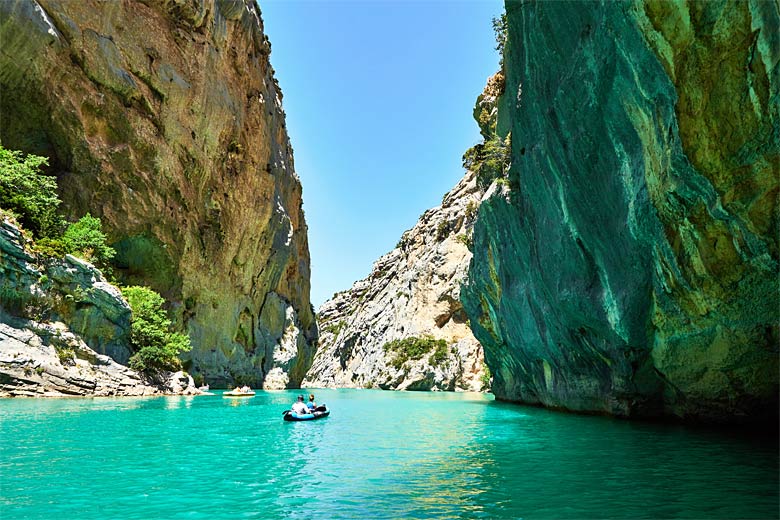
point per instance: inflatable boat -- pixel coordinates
(319, 413)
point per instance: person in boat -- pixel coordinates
(311, 404)
(245, 389)
(300, 407)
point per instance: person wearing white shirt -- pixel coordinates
(300, 407)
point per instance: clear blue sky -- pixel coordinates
(379, 98)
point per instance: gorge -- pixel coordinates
(612, 247)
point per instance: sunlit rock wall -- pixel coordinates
(163, 117)
(412, 291)
(631, 264)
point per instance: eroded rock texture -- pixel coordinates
(631, 265)
(413, 291)
(163, 117)
(48, 360)
(64, 330)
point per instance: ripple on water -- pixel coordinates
(380, 455)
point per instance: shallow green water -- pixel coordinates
(379, 455)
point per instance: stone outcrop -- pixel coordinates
(64, 330)
(413, 291)
(71, 291)
(45, 360)
(163, 117)
(630, 264)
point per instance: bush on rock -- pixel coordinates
(29, 194)
(156, 346)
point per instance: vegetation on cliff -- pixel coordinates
(86, 238)
(153, 135)
(30, 197)
(157, 346)
(28, 194)
(415, 348)
(403, 327)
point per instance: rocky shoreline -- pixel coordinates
(64, 330)
(47, 360)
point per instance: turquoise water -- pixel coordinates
(379, 455)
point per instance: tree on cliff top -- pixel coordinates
(27, 193)
(156, 346)
(500, 28)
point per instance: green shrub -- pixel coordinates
(439, 355)
(442, 230)
(65, 354)
(489, 160)
(500, 28)
(411, 348)
(156, 346)
(334, 328)
(486, 377)
(471, 210)
(85, 238)
(28, 194)
(50, 247)
(466, 240)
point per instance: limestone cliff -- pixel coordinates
(413, 291)
(163, 117)
(630, 266)
(64, 330)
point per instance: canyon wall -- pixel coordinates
(412, 292)
(376, 333)
(630, 264)
(164, 118)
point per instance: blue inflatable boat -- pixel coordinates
(319, 413)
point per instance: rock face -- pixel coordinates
(70, 291)
(631, 264)
(413, 291)
(43, 360)
(163, 117)
(63, 329)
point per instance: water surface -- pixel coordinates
(379, 455)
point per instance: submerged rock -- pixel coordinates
(165, 120)
(412, 292)
(630, 266)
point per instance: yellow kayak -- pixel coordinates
(238, 394)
